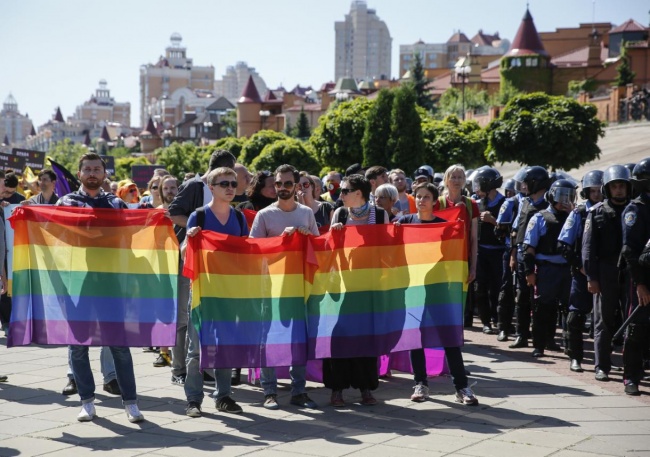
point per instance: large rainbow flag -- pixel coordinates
(364, 291)
(378, 290)
(93, 277)
(248, 299)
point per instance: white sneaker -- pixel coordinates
(133, 413)
(87, 412)
(421, 392)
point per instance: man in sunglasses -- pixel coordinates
(284, 217)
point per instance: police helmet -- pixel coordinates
(641, 176)
(593, 178)
(486, 179)
(535, 177)
(630, 166)
(438, 178)
(561, 191)
(429, 168)
(616, 173)
(424, 172)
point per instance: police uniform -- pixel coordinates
(601, 248)
(636, 233)
(506, 300)
(489, 271)
(553, 281)
(527, 209)
(580, 299)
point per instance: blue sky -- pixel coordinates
(53, 53)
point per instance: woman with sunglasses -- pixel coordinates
(358, 372)
(306, 193)
(219, 216)
(261, 192)
(129, 194)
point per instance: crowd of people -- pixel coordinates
(538, 261)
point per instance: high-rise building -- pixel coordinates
(234, 81)
(14, 127)
(363, 45)
(174, 71)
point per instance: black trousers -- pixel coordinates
(358, 372)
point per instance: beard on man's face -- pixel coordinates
(286, 194)
(92, 183)
(168, 198)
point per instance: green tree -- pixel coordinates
(551, 131)
(450, 141)
(256, 143)
(624, 73)
(506, 93)
(337, 138)
(231, 143)
(406, 146)
(123, 166)
(229, 121)
(378, 129)
(586, 85)
(67, 154)
(180, 158)
(289, 150)
(451, 102)
(303, 131)
(419, 83)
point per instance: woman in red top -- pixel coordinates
(454, 181)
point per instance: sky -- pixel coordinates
(53, 53)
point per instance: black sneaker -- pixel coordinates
(178, 380)
(208, 380)
(112, 387)
(228, 405)
(193, 409)
(70, 388)
(631, 388)
(163, 360)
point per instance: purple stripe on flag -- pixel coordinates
(91, 333)
(254, 355)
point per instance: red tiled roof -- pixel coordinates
(328, 86)
(270, 96)
(440, 84)
(527, 40)
(483, 39)
(458, 37)
(105, 136)
(491, 75)
(628, 26)
(577, 57)
(58, 116)
(149, 130)
(250, 94)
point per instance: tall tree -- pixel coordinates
(377, 131)
(303, 131)
(406, 146)
(337, 138)
(624, 73)
(180, 158)
(450, 141)
(256, 143)
(289, 150)
(551, 131)
(419, 83)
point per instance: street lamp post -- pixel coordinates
(167, 135)
(207, 126)
(342, 97)
(462, 69)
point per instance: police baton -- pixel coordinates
(626, 323)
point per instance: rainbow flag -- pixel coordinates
(248, 299)
(378, 290)
(94, 277)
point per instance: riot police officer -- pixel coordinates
(636, 233)
(601, 248)
(543, 264)
(532, 182)
(580, 299)
(489, 269)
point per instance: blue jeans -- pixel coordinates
(106, 363)
(193, 377)
(83, 374)
(269, 380)
(179, 352)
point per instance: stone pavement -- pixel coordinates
(526, 409)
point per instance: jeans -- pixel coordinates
(269, 380)
(83, 374)
(106, 363)
(179, 351)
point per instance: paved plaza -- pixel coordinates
(527, 408)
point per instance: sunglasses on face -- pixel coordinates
(347, 191)
(154, 187)
(304, 185)
(225, 184)
(133, 191)
(286, 184)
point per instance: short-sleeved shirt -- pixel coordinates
(271, 221)
(232, 227)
